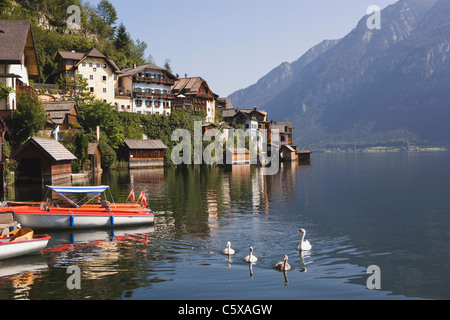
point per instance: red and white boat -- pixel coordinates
(21, 242)
(60, 212)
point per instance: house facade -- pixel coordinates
(100, 72)
(18, 61)
(194, 95)
(145, 89)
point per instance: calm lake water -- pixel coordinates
(391, 210)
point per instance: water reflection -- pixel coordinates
(342, 200)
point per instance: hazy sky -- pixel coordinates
(233, 43)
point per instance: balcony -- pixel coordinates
(149, 95)
(164, 81)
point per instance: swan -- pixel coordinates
(250, 258)
(304, 244)
(228, 249)
(283, 265)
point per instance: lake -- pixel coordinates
(391, 210)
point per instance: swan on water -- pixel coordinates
(283, 265)
(304, 244)
(250, 258)
(228, 249)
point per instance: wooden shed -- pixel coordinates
(43, 160)
(143, 153)
(288, 153)
(238, 156)
(95, 156)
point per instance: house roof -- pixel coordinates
(52, 148)
(16, 39)
(189, 86)
(58, 110)
(145, 144)
(92, 146)
(145, 68)
(81, 56)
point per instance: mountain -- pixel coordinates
(388, 86)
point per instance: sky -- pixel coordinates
(233, 43)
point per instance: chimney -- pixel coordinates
(134, 65)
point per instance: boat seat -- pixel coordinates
(19, 234)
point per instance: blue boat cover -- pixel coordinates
(98, 189)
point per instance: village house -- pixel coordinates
(143, 153)
(194, 95)
(18, 61)
(62, 116)
(100, 72)
(43, 160)
(145, 90)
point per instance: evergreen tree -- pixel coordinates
(122, 41)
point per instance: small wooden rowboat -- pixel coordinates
(21, 242)
(64, 213)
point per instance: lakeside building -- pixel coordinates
(43, 160)
(145, 89)
(194, 95)
(18, 61)
(143, 153)
(99, 71)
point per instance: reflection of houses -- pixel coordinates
(194, 95)
(61, 115)
(143, 153)
(43, 160)
(145, 90)
(18, 61)
(95, 156)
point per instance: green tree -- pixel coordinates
(82, 150)
(29, 119)
(122, 41)
(102, 114)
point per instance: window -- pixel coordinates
(95, 69)
(83, 64)
(105, 78)
(104, 66)
(91, 77)
(104, 90)
(91, 89)
(91, 64)
(98, 64)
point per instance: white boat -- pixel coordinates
(64, 213)
(21, 242)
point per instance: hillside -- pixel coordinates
(373, 87)
(99, 28)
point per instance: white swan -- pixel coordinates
(250, 258)
(228, 249)
(304, 244)
(283, 265)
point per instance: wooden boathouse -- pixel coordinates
(43, 160)
(143, 153)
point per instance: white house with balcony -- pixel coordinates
(18, 61)
(145, 89)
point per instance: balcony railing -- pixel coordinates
(167, 96)
(165, 81)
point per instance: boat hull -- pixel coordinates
(10, 250)
(60, 220)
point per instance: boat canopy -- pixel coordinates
(97, 189)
